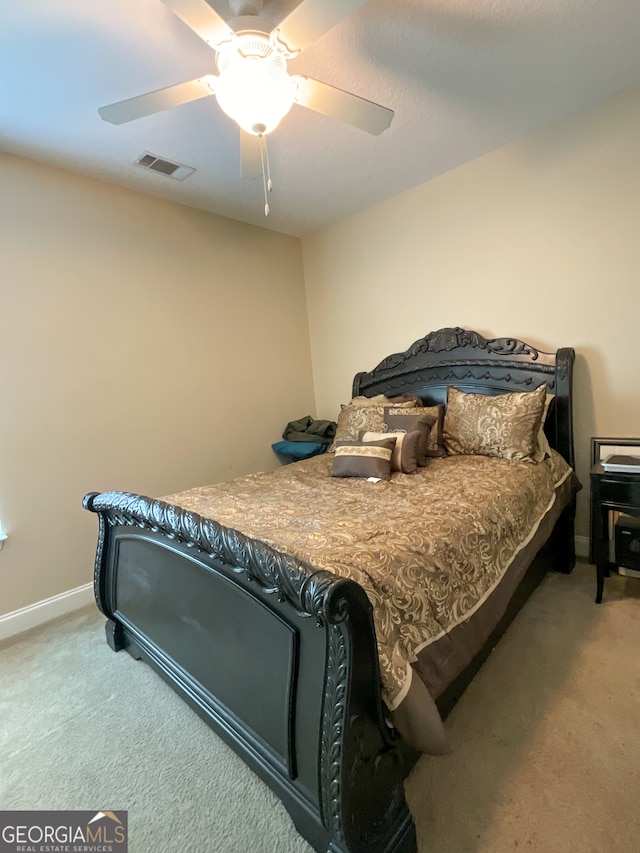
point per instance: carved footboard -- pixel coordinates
(277, 657)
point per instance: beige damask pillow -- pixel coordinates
(542, 442)
(506, 425)
(356, 416)
(381, 400)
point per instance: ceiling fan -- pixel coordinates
(253, 86)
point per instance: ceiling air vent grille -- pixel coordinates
(177, 171)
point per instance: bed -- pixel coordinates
(279, 654)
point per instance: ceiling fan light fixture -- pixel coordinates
(252, 85)
(255, 92)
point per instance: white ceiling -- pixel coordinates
(463, 76)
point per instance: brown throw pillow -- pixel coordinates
(406, 452)
(505, 425)
(435, 442)
(363, 459)
(410, 423)
(369, 416)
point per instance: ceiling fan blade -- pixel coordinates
(203, 20)
(250, 160)
(161, 99)
(341, 105)
(308, 21)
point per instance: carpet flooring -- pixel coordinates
(546, 741)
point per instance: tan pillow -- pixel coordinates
(410, 423)
(406, 452)
(506, 425)
(435, 442)
(381, 400)
(542, 442)
(363, 459)
(356, 416)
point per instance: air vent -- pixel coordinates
(177, 171)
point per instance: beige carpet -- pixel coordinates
(546, 741)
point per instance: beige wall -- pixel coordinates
(539, 240)
(145, 346)
(136, 353)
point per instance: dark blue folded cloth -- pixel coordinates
(299, 449)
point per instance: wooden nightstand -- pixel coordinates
(609, 491)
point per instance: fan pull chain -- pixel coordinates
(266, 171)
(266, 154)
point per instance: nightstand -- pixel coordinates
(609, 491)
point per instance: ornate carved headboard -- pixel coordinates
(468, 361)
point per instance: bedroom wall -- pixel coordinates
(145, 346)
(538, 240)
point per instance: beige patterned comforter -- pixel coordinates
(428, 548)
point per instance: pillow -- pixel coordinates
(505, 425)
(363, 459)
(435, 442)
(381, 400)
(406, 452)
(542, 442)
(369, 416)
(410, 423)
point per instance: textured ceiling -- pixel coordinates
(463, 76)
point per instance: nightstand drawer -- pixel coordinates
(627, 539)
(617, 492)
(620, 492)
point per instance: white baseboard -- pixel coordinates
(582, 547)
(44, 611)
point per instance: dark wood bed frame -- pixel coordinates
(279, 658)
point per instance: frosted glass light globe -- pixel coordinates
(255, 93)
